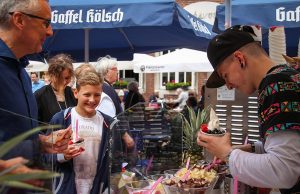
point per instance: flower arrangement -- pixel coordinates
(174, 86)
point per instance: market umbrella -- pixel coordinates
(266, 13)
(90, 29)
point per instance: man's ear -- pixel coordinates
(17, 20)
(239, 55)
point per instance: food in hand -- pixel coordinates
(213, 127)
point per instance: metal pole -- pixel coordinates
(228, 8)
(86, 45)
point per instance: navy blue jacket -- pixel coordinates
(110, 91)
(66, 183)
(17, 103)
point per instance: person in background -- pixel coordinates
(84, 67)
(240, 62)
(121, 96)
(85, 168)
(182, 97)
(202, 98)
(110, 102)
(134, 96)
(46, 78)
(190, 103)
(57, 95)
(154, 97)
(36, 83)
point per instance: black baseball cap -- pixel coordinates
(222, 46)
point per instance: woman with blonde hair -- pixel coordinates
(57, 95)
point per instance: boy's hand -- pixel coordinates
(218, 146)
(72, 152)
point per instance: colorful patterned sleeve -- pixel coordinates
(279, 101)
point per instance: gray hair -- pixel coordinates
(7, 6)
(104, 64)
(133, 86)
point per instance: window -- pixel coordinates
(176, 77)
(128, 75)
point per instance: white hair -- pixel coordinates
(7, 6)
(104, 64)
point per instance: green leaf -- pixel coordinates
(8, 145)
(17, 184)
(28, 176)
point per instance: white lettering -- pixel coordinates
(102, 15)
(92, 15)
(198, 26)
(290, 16)
(69, 17)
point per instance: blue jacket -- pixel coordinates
(18, 108)
(66, 183)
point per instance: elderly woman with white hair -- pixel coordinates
(110, 103)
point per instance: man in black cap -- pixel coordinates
(240, 62)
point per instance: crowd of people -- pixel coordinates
(89, 110)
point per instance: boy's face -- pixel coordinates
(88, 99)
(236, 75)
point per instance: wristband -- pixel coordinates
(252, 147)
(228, 156)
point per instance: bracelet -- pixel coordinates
(228, 156)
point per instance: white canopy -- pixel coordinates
(181, 60)
(36, 66)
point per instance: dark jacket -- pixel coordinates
(133, 98)
(66, 183)
(47, 103)
(110, 91)
(18, 109)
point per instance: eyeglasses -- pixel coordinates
(47, 22)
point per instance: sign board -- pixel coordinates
(223, 93)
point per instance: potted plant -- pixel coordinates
(120, 84)
(191, 126)
(174, 86)
(16, 180)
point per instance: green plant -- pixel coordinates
(120, 84)
(16, 180)
(174, 86)
(191, 127)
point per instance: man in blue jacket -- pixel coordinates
(24, 25)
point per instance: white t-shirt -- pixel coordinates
(85, 165)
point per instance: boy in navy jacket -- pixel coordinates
(84, 167)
